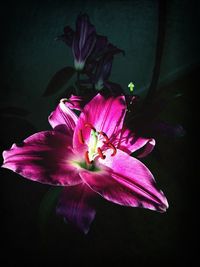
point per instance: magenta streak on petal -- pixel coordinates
(63, 115)
(105, 115)
(126, 181)
(135, 174)
(148, 145)
(143, 194)
(76, 205)
(130, 143)
(43, 157)
(74, 102)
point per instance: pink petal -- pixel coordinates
(75, 102)
(126, 181)
(103, 114)
(76, 206)
(43, 157)
(64, 116)
(129, 143)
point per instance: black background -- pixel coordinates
(119, 235)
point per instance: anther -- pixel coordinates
(102, 156)
(113, 148)
(80, 137)
(87, 158)
(90, 126)
(105, 136)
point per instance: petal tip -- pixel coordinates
(165, 205)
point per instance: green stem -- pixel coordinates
(159, 50)
(78, 83)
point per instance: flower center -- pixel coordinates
(97, 143)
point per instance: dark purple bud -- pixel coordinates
(103, 71)
(83, 42)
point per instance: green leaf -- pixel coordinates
(47, 205)
(59, 80)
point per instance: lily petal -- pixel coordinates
(130, 143)
(102, 72)
(75, 102)
(76, 206)
(43, 157)
(126, 181)
(64, 115)
(106, 115)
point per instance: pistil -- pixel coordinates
(93, 149)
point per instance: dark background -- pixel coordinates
(31, 232)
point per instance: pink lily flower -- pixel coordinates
(88, 155)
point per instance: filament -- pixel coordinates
(105, 136)
(113, 148)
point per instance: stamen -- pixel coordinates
(80, 137)
(102, 156)
(113, 148)
(105, 136)
(87, 158)
(90, 126)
